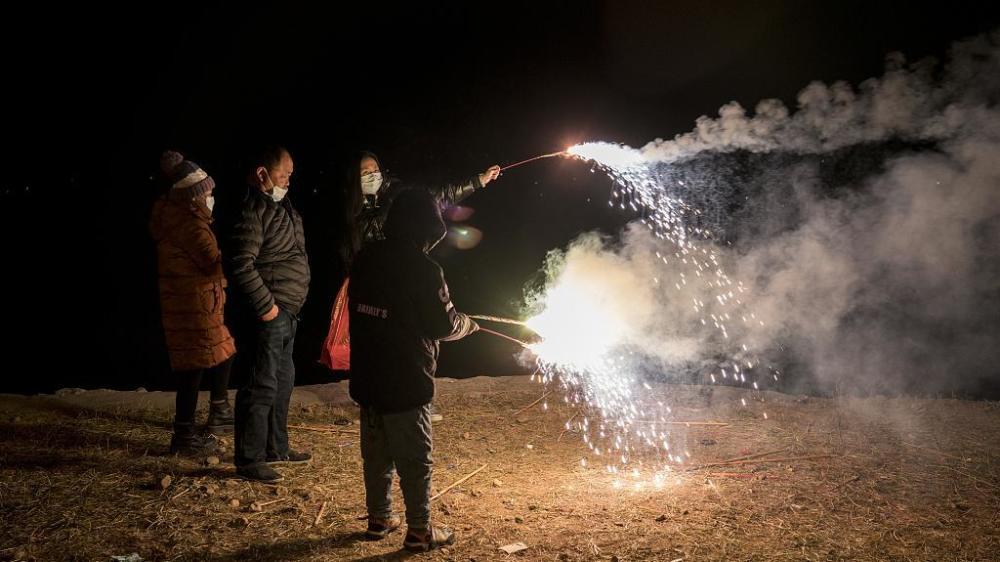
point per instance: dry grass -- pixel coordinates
(904, 479)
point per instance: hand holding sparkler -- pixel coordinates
(489, 175)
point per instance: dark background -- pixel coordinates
(93, 95)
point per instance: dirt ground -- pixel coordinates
(87, 476)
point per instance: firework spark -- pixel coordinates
(585, 344)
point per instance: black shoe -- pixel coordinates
(186, 442)
(259, 472)
(293, 457)
(220, 417)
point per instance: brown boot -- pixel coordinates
(378, 527)
(422, 540)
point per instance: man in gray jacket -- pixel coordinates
(270, 273)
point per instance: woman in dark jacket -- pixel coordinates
(192, 298)
(368, 194)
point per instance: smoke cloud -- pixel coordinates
(864, 227)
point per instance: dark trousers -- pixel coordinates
(399, 442)
(189, 383)
(261, 425)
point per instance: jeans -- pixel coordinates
(261, 411)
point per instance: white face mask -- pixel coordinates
(371, 183)
(210, 203)
(278, 193)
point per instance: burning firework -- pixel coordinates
(522, 162)
(587, 332)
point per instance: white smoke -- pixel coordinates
(888, 282)
(906, 103)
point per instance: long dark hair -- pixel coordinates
(354, 201)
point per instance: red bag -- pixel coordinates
(336, 353)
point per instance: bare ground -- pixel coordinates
(82, 477)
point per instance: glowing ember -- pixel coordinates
(612, 155)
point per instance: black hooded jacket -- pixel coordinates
(400, 309)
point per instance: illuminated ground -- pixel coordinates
(908, 479)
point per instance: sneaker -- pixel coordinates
(378, 527)
(293, 457)
(422, 540)
(259, 472)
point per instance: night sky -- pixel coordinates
(93, 95)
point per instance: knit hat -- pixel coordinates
(187, 179)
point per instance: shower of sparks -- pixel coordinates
(583, 349)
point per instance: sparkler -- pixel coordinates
(516, 164)
(496, 319)
(583, 344)
(505, 336)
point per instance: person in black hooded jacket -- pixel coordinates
(400, 310)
